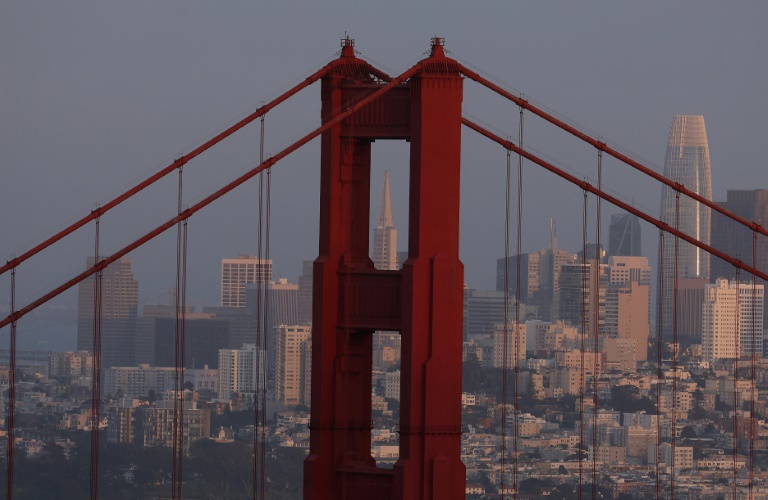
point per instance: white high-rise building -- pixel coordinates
(291, 368)
(732, 320)
(236, 273)
(385, 234)
(239, 369)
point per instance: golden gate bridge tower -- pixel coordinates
(423, 301)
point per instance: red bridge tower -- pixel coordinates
(423, 301)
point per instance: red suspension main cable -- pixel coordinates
(472, 75)
(610, 199)
(15, 316)
(178, 163)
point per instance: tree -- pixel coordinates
(627, 399)
(224, 469)
(688, 432)
(697, 412)
(472, 374)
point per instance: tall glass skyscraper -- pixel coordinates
(686, 162)
(624, 235)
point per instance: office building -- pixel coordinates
(628, 301)
(626, 315)
(690, 297)
(508, 344)
(70, 365)
(119, 297)
(157, 424)
(292, 366)
(239, 370)
(145, 327)
(737, 240)
(483, 309)
(506, 272)
(138, 381)
(686, 162)
(385, 234)
(305, 293)
(624, 235)
(203, 339)
(237, 273)
(282, 299)
(623, 269)
(123, 418)
(583, 288)
(539, 277)
(732, 320)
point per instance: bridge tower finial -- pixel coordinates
(437, 43)
(347, 46)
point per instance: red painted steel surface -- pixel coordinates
(351, 298)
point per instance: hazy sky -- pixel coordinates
(96, 96)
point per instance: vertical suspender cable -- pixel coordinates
(260, 360)
(596, 346)
(182, 356)
(263, 428)
(178, 398)
(517, 304)
(674, 351)
(96, 370)
(737, 343)
(266, 328)
(505, 330)
(582, 365)
(11, 393)
(659, 356)
(753, 375)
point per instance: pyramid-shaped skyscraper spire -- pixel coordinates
(385, 209)
(385, 234)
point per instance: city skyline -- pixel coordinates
(104, 107)
(733, 129)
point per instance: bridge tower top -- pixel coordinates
(423, 301)
(347, 46)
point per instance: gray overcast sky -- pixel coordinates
(95, 96)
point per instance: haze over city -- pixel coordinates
(99, 97)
